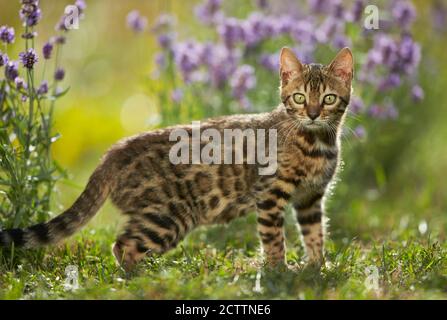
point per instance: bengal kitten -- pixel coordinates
(164, 201)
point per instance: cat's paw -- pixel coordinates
(275, 265)
(314, 264)
(295, 267)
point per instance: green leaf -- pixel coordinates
(61, 94)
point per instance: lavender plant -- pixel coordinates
(240, 59)
(27, 171)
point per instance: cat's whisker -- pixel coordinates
(351, 132)
(291, 129)
(282, 123)
(286, 129)
(352, 115)
(294, 126)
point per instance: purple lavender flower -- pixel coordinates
(338, 10)
(30, 12)
(165, 40)
(439, 16)
(29, 35)
(304, 31)
(387, 111)
(360, 132)
(305, 52)
(28, 58)
(3, 59)
(246, 103)
(385, 51)
(12, 70)
(284, 24)
(327, 29)
(136, 21)
(391, 111)
(47, 49)
(7, 34)
(231, 31)
(160, 60)
(404, 13)
(164, 23)
(417, 93)
(29, 2)
(322, 6)
(318, 6)
(43, 88)
(376, 111)
(209, 12)
(410, 55)
(357, 11)
(256, 28)
(58, 91)
(262, 4)
(356, 105)
(270, 61)
(58, 40)
(177, 95)
(341, 41)
(187, 58)
(20, 83)
(242, 80)
(61, 25)
(81, 5)
(373, 58)
(33, 18)
(390, 82)
(221, 63)
(59, 74)
(208, 52)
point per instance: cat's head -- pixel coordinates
(316, 95)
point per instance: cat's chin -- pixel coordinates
(313, 127)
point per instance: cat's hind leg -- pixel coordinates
(146, 233)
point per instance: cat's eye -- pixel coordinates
(299, 98)
(329, 99)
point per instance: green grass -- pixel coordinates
(223, 262)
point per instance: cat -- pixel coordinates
(164, 201)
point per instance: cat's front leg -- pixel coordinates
(270, 202)
(271, 222)
(271, 231)
(309, 213)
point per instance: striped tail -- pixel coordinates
(67, 223)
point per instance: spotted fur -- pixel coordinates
(164, 202)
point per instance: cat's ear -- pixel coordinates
(342, 67)
(289, 66)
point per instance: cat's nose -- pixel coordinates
(313, 114)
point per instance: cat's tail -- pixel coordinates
(71, 220)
